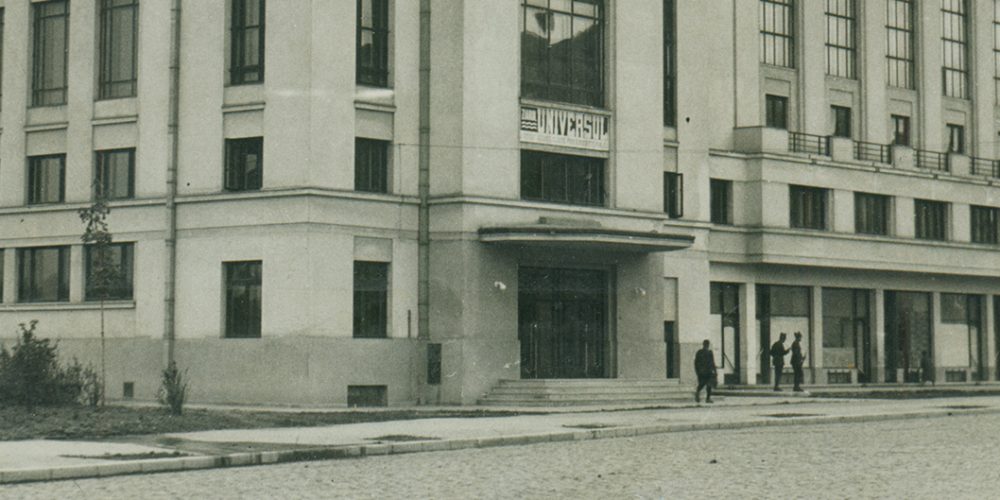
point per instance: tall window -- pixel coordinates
(2, 16)
(901, 130)
(930, 219)
(244, 164)
(43, 274)
(956, 138)
(46, 179)
(984, 222)
(871, 213)
(246, 63)
(996, 46)
(562, 51)
(776, 111)
(373, 43)
(243, 299)
(841, 38)
(49, 50)
(900, 43)
(669, 63)
(807, 207)
(113, 279)
(841, 121)
(955, 40)
(574, 180)
(119, 39)
(371, 294)
(673, 194)
(114, 174)
(721, 192)
(371, 165)
(777, 30)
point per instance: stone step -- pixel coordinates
(588, 402)
(581, 392)
(605, 396)
(590, 382)
(588, 390)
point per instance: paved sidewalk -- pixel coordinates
(47, 460)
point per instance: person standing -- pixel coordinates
(704, 367)
(778, 353)
(797, 360)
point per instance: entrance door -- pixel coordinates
(907, 334)
(561, 322)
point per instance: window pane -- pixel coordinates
(371, 165)
(371, 285)
(43, 274)
(562, 52)
(372, 63)
(244, 164)
(109, 275)
(247, 39)
(115, 170)
(243, 299)
(559, 178)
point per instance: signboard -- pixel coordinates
(562, 127)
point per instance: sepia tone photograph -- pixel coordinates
(463, 249)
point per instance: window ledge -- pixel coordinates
(376, 98)
(67, 306)
(527, 101)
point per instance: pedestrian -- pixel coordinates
(704, 367)
(797, 360)
(778, 352)
(926, 367)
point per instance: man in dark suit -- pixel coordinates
(778, 352)
(797, 360)
(704, 366)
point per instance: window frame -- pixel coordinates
(101, 189)
(872, 213)
(669, 63)
(375, 74)
(240, 73)
(956, 138)
(901, 27)
(673, 194)
(126, 261)
(984, 225)
(842, 121)
(778, 41)
(583, 94)
(934, 229)
(253, 279)
(27, 261)
(107, 86)
(954, 50)
(236, 178)
(841, 53)
(721, 201)
(808, 207)
(907, 133)
(772, 118)
(33, 195)
(42, 95)
(371, 292)
(371, 165)
(577, 171)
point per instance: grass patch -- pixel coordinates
(112, 421)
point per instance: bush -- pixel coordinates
(173, 389)
(30, 374)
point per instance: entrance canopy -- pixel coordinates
(585, 238)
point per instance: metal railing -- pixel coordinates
(800, 142)
(987, 167)
(932, 160)
(870, 151)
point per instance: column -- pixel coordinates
(749, 338)
(9, 276)
(878, 332)
(815, 351)
(937, 347)
(930, 125)
(982, 87)
(989, 334)
(810, 36)
(843, 211)
(872, 71)
(77, 274)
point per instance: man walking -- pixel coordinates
(778, 352)
(797, 360)
(704, 366)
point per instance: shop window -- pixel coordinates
(673, 194)
(721, 192)
(846, 329)
(46, 179)
(371, 299)
(246, 63)
(777, 32)
(109, 274)
(930, 219)
(984, 222)
(50, 43)
(776, 111)
(808, 207)
(115, 174)
(243, 299)
(556, 178)
(43, 274)
(244, 164)
(371, 165)
(871, 213)
(373, 43)
(562, 51)
(119, 37)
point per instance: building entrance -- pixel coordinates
(562, 324)
(907, 334)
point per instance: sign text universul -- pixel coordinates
(560, 127)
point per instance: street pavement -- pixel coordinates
(946, 457)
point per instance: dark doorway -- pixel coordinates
(562, 323)
(670, 339)
(725, 310)
(907, 334)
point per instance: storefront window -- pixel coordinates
(960, 332)
(782, 309)
(846, 334)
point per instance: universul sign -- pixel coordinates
(561, 127)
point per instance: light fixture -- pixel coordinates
(499, 285)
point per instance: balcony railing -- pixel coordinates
(987, 167)
(800, 142)
(870, 151)
(932, 160)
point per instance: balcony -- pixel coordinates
(985, 167)
(933, 161)
(870, 151)
(800, 142)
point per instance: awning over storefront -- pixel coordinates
(585, 238)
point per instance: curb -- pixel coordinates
(150, 466)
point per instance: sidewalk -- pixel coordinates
(41, 460)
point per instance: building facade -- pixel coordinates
(394, 202)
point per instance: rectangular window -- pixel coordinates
(776, 111)
(900, 43)
(841, 121)
(50, 40)
(371, 165)
(808, 207)
(955, 48)
(777, 32)
(846, 329)
(721, 196)
(984, 222)
(1, 275)
(669, 63)
(243, 299)
(434, 364)
(901, 130)
(841, 38)
(119, 39)
(573, 180)
(109, 274)
(371, 299)
(871, 213)
(673, 194)
(244, 164)
(246, 63)
(956, 138)
(562, 51)
(930, 219)
(2, 17)
(373, 43)
(46, 179)
(114, 174)
(43, 274)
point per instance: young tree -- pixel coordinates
(103, 273)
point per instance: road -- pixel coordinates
(949, 457)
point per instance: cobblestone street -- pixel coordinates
(954, 457)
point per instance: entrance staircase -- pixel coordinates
(587, 392)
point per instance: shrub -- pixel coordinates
(30, 374)
(173, 389)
